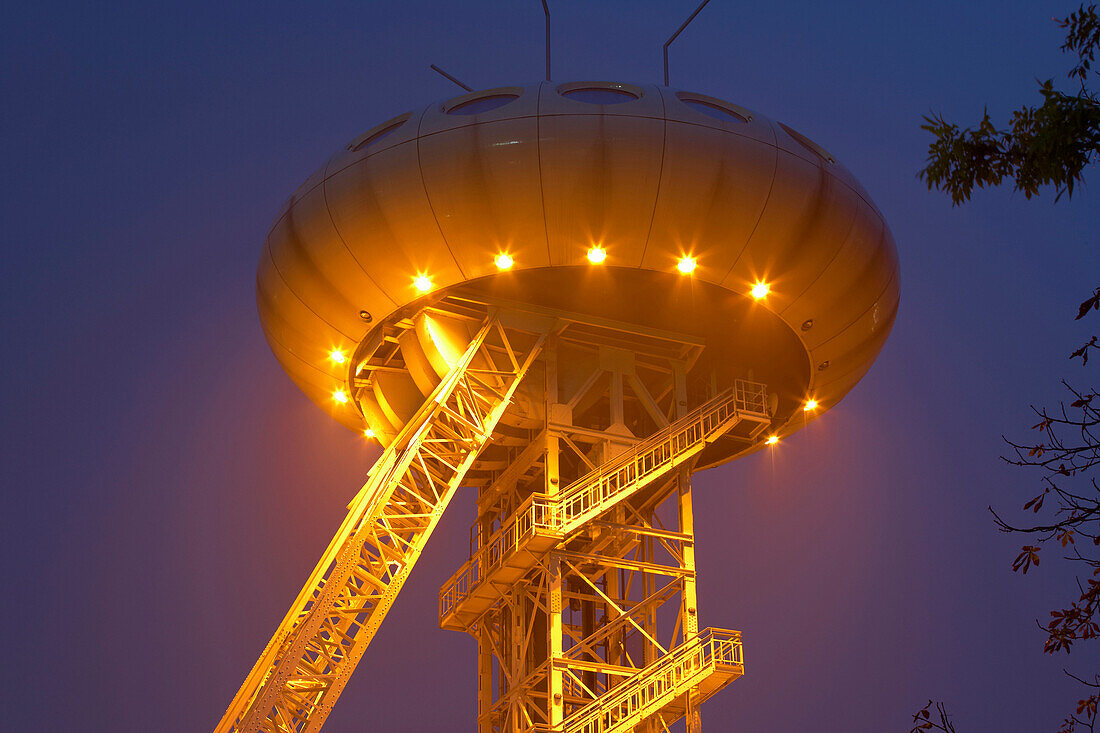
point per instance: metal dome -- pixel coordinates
(572, 297)
(543, 173)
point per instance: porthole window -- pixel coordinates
(592, 95)
(600, 93)
(808, 144)
(481, 105)
(377, 133)
(713, 109)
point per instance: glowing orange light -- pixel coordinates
(504, 261)
(368, 433)
(337, 356)
(760, 290)
(340, 396)
(596, 255)
(423, 283)
(686, 265)
(772, 439)
(810, 405)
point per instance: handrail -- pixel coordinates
(589, 495)
(677, 670)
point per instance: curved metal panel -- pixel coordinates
(805, 222)
(599, 179)
(714, 186)
(544, 177)
(483, 185)
(383, 215)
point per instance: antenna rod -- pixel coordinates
(546, 10)
(448, 76)
(678, 32)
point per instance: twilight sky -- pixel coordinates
(167, 489)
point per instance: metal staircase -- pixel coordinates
(541, 522)
(698, 668)
(303, 669)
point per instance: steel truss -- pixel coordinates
(581, 593)
(303, 669)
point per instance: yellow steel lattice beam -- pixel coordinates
(307, 663)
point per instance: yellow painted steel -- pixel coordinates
(298, 678)
(541, 521)
(572, 306)
(710, 661)
(793, 269)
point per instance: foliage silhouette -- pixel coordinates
(1048, 145)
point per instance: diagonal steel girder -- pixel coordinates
(308, 661)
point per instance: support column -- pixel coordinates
(556, 685)
(484, 681)
(689, 609)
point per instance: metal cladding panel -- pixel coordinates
(804, 148)
(714, 186)
(600, 175)
(861, 341)
(544, 177)
(483, 185)
(804, 224)
(319, 269)
(317, 386)
(297, 328)
(838, 296)
(757, 127)
(814, 153)
(382, 213)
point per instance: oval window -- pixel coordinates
(808, 144)
(716, 111)
(482, 104)
(596, 95)
(370, 138)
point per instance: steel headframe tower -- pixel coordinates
(568, 297)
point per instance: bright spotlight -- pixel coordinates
(368, 433)
(423, 283)
(596, 255)
(337, 356)
(760, 290)
(686, 265)
(772, 440)
(504, 261)
(810, 406)
(340, 396)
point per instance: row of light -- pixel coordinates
(808, 406)
(341, 397)
(596, 255)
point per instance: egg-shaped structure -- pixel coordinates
(573, 297)
(691, 201)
